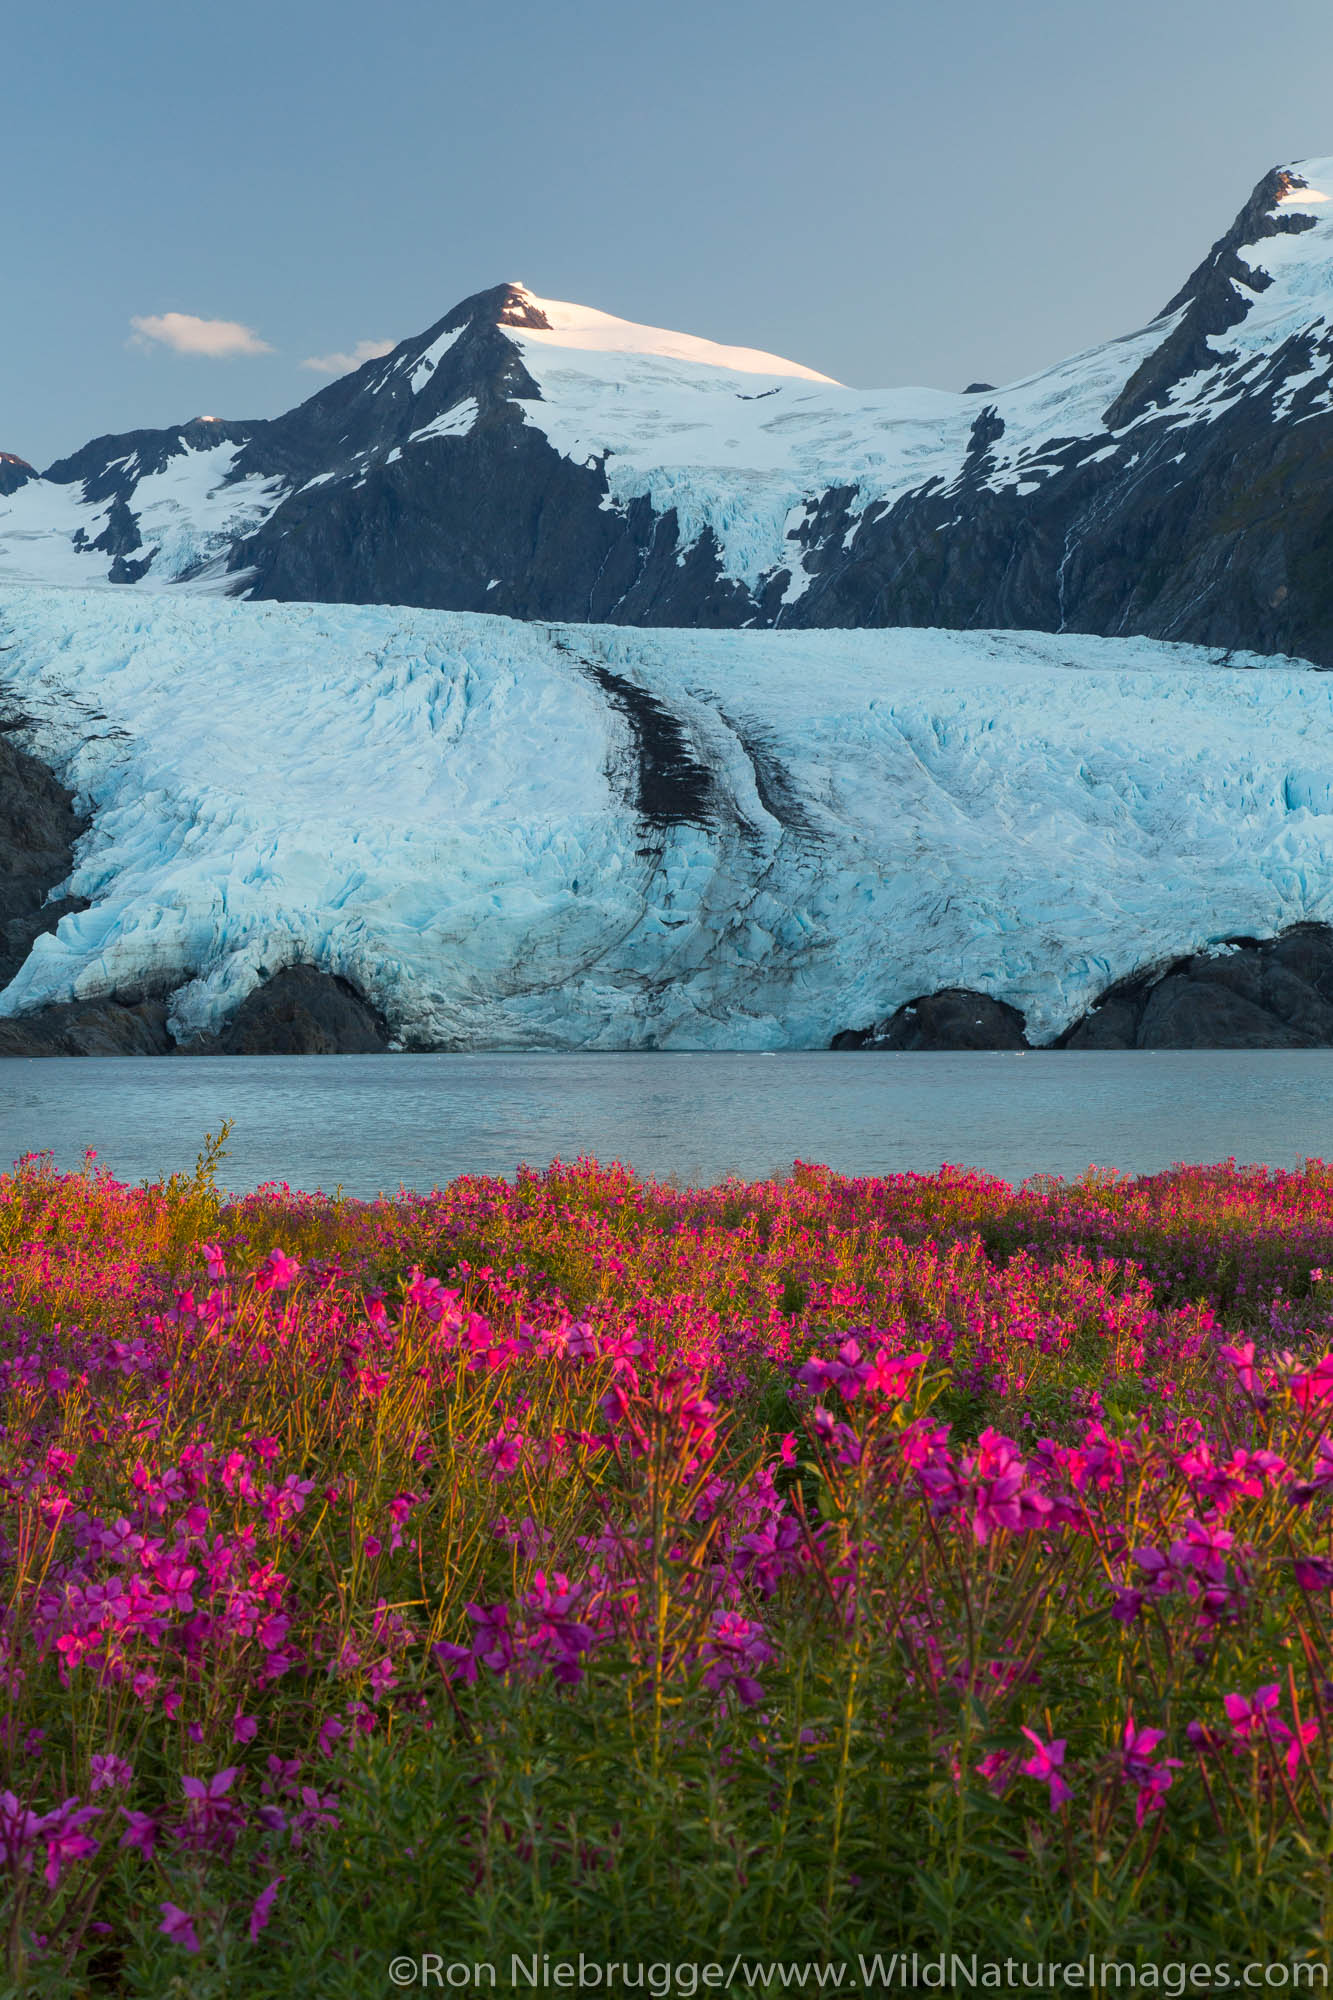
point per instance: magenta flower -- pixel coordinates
(1152, 1780)
(1241, 1360)
(262, 1905)
(997, 1768)
(178, 1925)
(1247, 1718)
(1313, 1573)
(891, 1374)
(111, 1773)
(1301, 1739)
(1044, 1765)
(457, 1663)
(505, 1451)
(19, 1827)
(277, 1272)
(211, 1817)
(214, 1261)
(65, 1840)
(141, 1832)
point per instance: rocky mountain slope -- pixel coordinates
(547, 461)
(323, 827)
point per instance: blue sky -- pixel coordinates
(890, 193)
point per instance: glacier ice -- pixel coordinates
(444, 808)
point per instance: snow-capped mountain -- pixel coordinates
(486, 834)
(548, 461)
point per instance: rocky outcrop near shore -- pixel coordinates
(952, 1019)
(298, 1012)
(107, 1027)
(1275, 993)
(1250, 993)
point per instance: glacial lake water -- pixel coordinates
(373, 1123)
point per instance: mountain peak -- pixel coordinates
(559, 323)
(1220, 292)
(14, 472)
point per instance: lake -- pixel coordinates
(378, 1122)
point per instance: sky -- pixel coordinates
(891, 193)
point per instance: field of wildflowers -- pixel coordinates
(808, 1567)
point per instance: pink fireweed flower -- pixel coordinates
(244, 1728)
(430, 1297)
(1044, 1765)
(493, 1643)
(277, 1272)
(262, 1906)
(1313, 1388)
(1302, 1737)
(846, 1372)
(505, 1452)
(1254, 1721)
(316, 1810)
(1241, 1359)
(1152, 1780)
(382, 1677)
(178, 1925)
(554, 1631)
(997, 1768)
(111, 1773)
(1321, 1475)
(1248, 1718)
(141, 1832)
(211, 1818)
(65, 1840)
(19, 1828)
(457, 1663)
(214, 1261)
(734, 1647)
(891, 1375)
(995, 1488)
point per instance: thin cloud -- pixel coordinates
(343, 364)
(219, 339)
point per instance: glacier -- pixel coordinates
(530, 835)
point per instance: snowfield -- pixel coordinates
(445, 809)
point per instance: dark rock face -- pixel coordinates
(14, 472)
(38, 829)
(297, 1012)
(300, 1012)
(1277, 994)
(90, 1028)
(951, 1019)
(494, 519)
(1271, 994)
